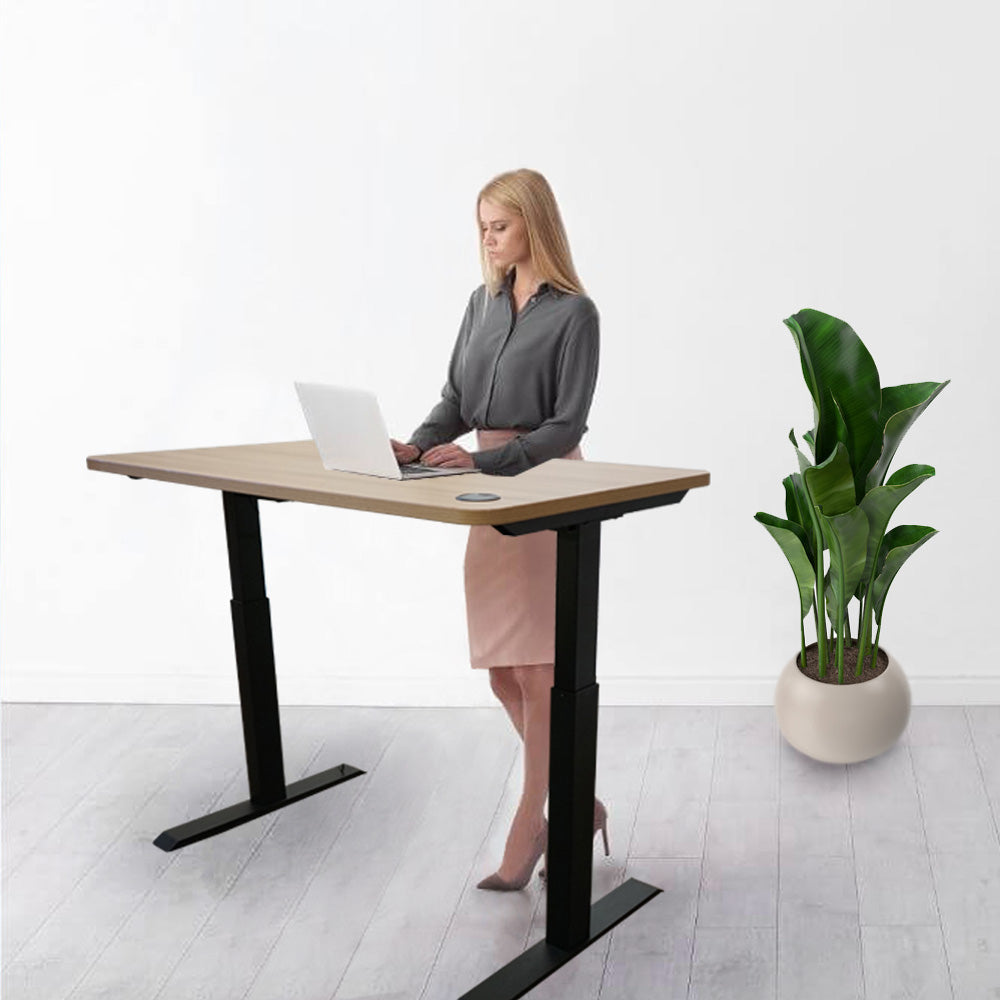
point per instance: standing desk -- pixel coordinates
(569, 497)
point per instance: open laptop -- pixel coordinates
(351, 435)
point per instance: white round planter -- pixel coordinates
(842, 723)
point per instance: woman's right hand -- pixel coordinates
(404, 452)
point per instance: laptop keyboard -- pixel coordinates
(414, 471)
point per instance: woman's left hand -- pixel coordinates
(449, 456)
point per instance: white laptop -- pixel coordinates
(351, 436)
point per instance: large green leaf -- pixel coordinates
(799, 509)
(846, 535)
(804, 462)
(793, 542)
(831, 484)
(791, 508)
(879, 505)
(838, 428)
(901, 405)
(844, 384)
(831, 608)
(897, 546)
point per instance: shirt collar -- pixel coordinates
(508, 284)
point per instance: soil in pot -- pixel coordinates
(869, 672)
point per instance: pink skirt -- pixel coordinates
(510, 587)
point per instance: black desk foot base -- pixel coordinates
(542, 959)
(243, 812)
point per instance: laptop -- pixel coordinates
(351, 435)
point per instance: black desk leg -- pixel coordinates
(258, 690)
(571, 923)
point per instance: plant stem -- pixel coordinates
(872, 646)
(802, 637)
(867, 611)
(862, 638)
(820, 599)
(841, 617)
(864, 643)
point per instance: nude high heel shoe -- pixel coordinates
(600, 823)
(524, 875)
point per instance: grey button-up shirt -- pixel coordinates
(535, 371)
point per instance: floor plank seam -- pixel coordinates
(907, 924)
(704, 849)
(982, 774)
(662, 857)
(640, 799)
(930, 867)
(777, 885)
(854, 868)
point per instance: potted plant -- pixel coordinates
(845, 699)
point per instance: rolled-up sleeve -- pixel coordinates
(444, 422)
(576, 379)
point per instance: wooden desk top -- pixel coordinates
(291, 470)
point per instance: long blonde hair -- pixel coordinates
(528, 193)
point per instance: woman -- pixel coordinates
(522, 374)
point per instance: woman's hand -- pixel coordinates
(404, 452)
(449, 456)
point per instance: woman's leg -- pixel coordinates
(536, 686)
(508, 690)
(535, 683)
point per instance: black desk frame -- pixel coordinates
(252, 638)
(571, 923)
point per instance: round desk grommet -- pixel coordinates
(477, 497)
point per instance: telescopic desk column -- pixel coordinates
(573, 742)
(254, 651)
(258, 690)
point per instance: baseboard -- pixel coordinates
(469, 690)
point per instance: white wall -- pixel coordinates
(201, 202)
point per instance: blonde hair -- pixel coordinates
(527, 193)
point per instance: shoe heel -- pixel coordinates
(604, 833)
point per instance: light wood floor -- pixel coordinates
(781, 877)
